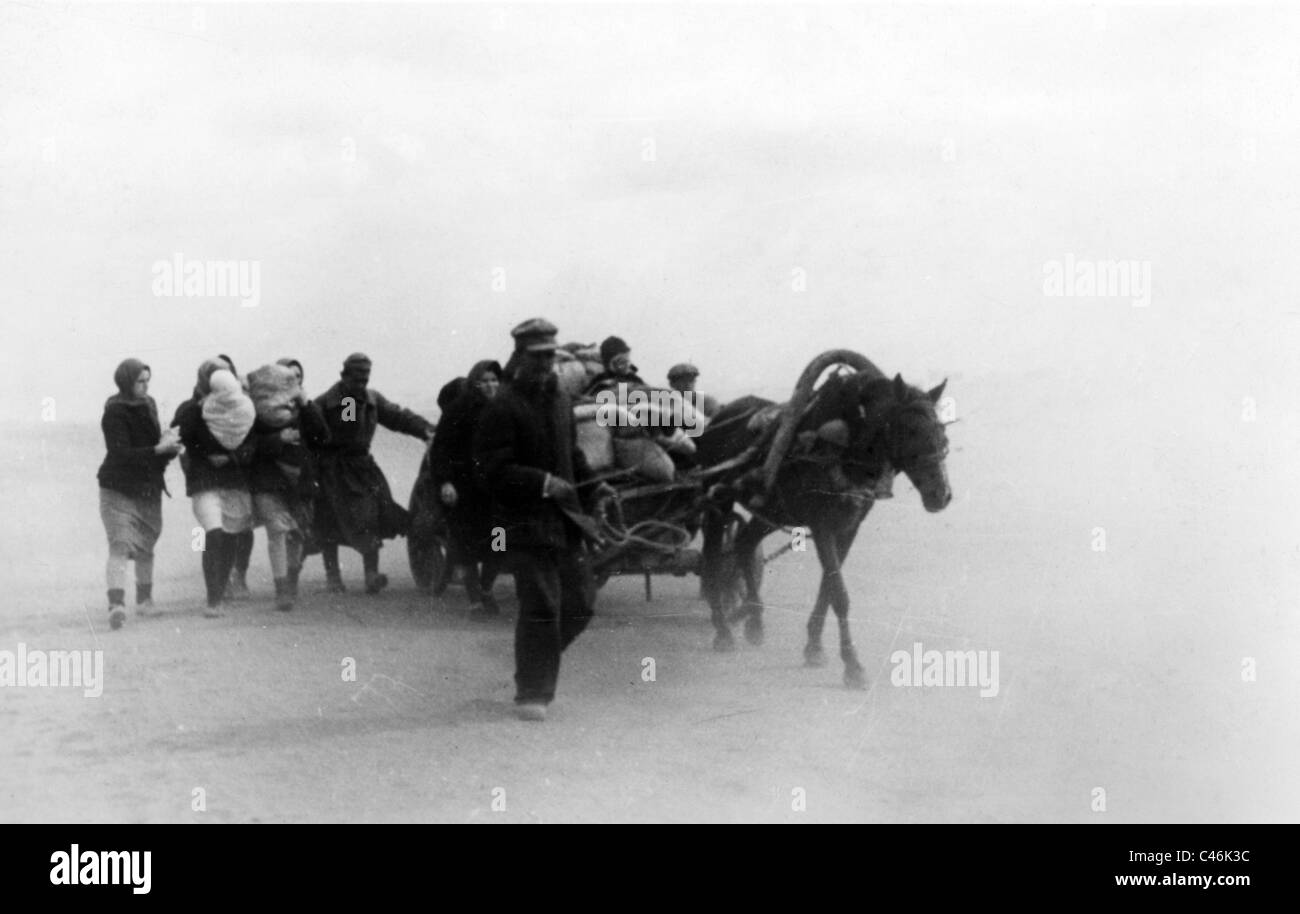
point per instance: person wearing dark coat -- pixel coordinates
(280, 476)
(131, 485)
(216, 480)
(237, 586)
(451, 392)
(616, 356)
(303, 542)
(356, 506)
(451, 465)
(526, 454)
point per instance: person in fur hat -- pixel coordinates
(616, 356)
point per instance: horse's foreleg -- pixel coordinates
(716, 572)
(854, 675)
(828, 551)
(813, 655)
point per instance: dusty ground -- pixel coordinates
(1118, 670)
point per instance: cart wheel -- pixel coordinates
(427, 561)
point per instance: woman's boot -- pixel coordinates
(116, 607)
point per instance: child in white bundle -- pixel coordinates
(228, 412)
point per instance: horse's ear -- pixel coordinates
(900, 389)
(938, 391)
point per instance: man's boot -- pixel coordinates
(116, 607)
(283, 595)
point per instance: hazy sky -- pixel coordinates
(667, 173)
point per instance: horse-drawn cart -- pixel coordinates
(819, 462)
(647, 529)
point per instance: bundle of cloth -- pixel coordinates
(228, 412)
(275, 393)
(576, 364)
(624, 437)
(634, 436)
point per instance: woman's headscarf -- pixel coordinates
(127, 373)
(293, 363)
(451, 392)
(204, 385)
(481, 368)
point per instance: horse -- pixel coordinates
(873, 426)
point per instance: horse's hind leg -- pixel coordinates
(828, 550)
(747, 544)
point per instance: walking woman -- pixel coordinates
(469, 507)
(288, 426)
(303, 541)
(215, 431)
(131, 485)
(237, 588)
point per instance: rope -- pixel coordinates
(651, 535)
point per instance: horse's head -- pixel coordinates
(917, 443)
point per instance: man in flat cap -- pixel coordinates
(355, 506)
(526, 455)
(681, 377)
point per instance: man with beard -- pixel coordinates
(526, 453)
(355, 505)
